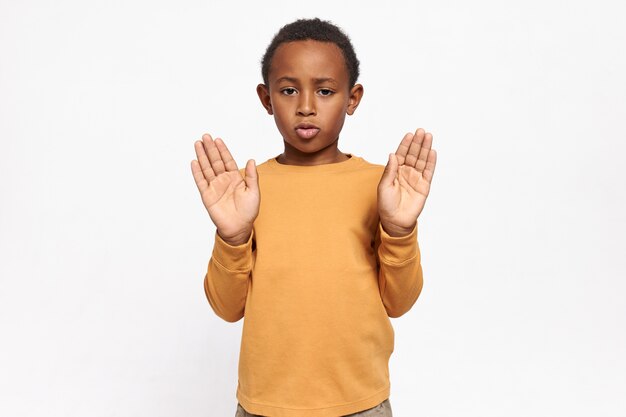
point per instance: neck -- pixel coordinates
(293, 156)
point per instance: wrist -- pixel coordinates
(397, 231)
(238, 239)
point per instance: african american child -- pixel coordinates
(315, 247)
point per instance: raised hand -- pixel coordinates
(232, 202)
(405, 183)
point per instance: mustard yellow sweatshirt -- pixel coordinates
(316, 284)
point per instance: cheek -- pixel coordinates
(339, 114)
(282, 122)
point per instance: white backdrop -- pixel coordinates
(104, 241)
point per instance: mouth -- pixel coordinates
(307, 130)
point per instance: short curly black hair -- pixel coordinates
(313, 29)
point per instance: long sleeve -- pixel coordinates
(317, 337)
(400, 278)
(227, 277)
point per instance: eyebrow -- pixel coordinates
(317, 80)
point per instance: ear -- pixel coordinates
(356, 93)
(264, 96)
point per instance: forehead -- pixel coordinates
(308, 59)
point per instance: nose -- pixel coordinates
(306, 104)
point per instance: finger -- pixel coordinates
(424, 152)
(252, 177)
(215, 159)
(431, 162)
(414, 149)
(203, 160)
(198, 176)
(391, 169)
(227, 158)
(403, 148)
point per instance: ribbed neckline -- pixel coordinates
(332, 167)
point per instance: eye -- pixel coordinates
(326, 92)
(288, 91)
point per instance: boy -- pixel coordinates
(315, 247)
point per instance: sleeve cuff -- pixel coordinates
(397, 250)
(233, 258)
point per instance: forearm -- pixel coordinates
(227, 278)
(400, 271)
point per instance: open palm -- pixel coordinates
(232, 202)
(405, 183)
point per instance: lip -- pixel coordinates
(306, 130)
(305, 125)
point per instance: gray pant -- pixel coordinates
(381, 410)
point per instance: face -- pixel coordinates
(309, 96)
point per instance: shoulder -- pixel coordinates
(369, 164)
(369, 168)
(262, 167)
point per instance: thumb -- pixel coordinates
(391, 170)
(252, 177)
